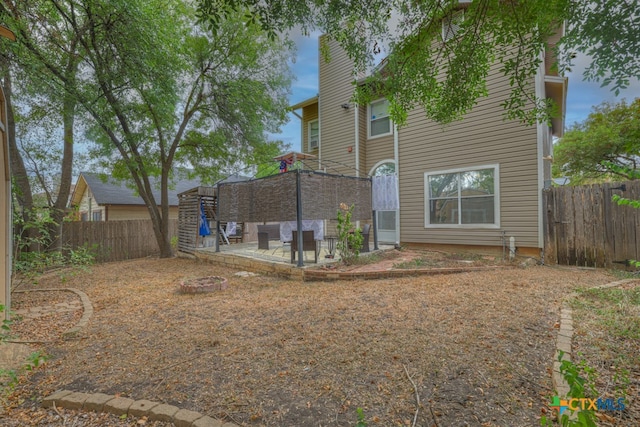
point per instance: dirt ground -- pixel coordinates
(474, 348)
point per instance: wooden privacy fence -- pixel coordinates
(584, 227)
(115, 240)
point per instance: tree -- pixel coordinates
(40, 89)
(447, 80)
(160, 91)
(605, 146)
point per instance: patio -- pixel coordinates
(275, 261)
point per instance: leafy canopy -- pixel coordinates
(159, 91)
(446, 81)
(606, 146)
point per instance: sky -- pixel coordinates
(581, 95)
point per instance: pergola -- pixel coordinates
(295, 195)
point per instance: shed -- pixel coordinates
(189, 214)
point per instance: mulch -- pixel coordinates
(473, 348)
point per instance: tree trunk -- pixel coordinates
(66, 173)
(58, 210)
(165, 247)
(18, 170)
(21, 184)
(160, 230)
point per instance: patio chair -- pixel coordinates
(365, 238)
(267, 232)
(308, 244)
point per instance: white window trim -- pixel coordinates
(496, 200)
(369, 122)
(456, 18)
(309, 134)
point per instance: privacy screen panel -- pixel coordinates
(274, 198)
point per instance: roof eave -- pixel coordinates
(305, 103)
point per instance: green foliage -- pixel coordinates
(349, 238)
(162, 89)
(266, 166)
(5, 328)
(174, 244)
(613, 313)
(581, 381)
(10, 377)
(606, 146)
(31, 258)
(607, 32)
(623, 201)
(414, 263)
(447, 80)
(35, 359)
(33, 229)
(362, 420)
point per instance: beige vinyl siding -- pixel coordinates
(362, 140)
(89, 206)
(309, 114)
(378, 149)
(123, 212)
(550, 56)
(337, 125)
(483, 137)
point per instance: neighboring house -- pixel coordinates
(476, 182)
(111, 200)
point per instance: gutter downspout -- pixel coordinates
(357, 137)
(396, 155)
(319, 137)
(542, 132)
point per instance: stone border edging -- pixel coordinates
(155, 411)
(565, 335)
(308, 273)
(318, 275)
(87, 308)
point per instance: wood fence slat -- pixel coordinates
(579, 232)
(598, 230)
(551, 248)
(115, 240)
(586, 228)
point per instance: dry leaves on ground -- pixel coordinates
(475, 348)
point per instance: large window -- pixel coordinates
(379, 120)
(463, 198)
(314, 134)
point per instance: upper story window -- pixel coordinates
(463, 198)
(379, 120)
(314, 134)
(451, 25)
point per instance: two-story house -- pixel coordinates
(476, 182)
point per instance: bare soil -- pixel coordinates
(474, 348)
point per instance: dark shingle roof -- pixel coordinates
(113, 192)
